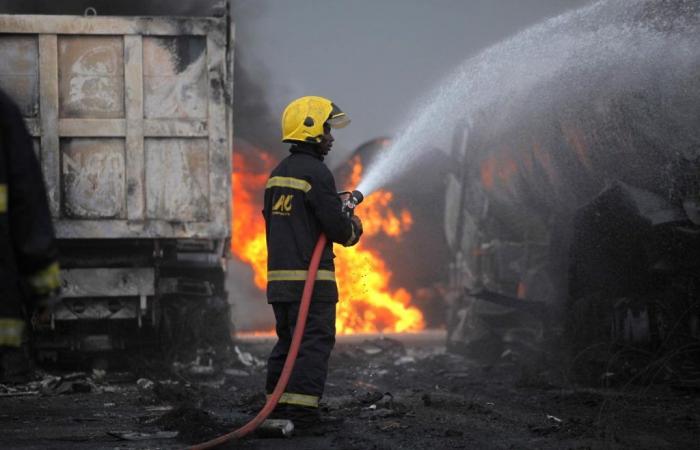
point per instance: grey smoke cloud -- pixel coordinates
(374, 58)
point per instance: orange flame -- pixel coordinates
(367, 304)
(248, 237)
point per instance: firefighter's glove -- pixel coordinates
(356, 231)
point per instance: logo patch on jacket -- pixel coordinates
(283, 205)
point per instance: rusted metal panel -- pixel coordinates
(219, 149)
(134, 133)
(146, 26)
(107, 282)
(91, 77)
(48, 103)
(134, 124)
(93, 178)
(79, 229)
(91, 127)
(175, 128)
(177, 179)
(19, 71)
(175, 77)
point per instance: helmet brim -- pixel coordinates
(339, 121)
(337, 118)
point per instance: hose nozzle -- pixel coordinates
(358, 197)
(350, 200)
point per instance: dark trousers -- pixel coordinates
(311, 367)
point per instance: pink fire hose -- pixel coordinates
(288, 363)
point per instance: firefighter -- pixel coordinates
(28, 258)
(301, 202)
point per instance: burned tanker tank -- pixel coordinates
(576, 207)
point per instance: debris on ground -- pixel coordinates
(439, 400)
(138, 436)
(175, 392)
(10, 391)
(193, 424)
(145, 384)
(247, 359)
(72, 383)
(554, 419)
(383, 346)
(405, 360)
(275, 428)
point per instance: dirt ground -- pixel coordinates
(404, 393)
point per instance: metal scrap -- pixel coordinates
(137, 436)
(247, 359)
(67, 384)
(6, 391)
(145, 384)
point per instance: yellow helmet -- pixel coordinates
(303, 119)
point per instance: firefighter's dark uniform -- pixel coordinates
(301, 201)
(28, 257)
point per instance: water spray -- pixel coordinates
(607, 37)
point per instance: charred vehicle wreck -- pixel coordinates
(574, 212)
(131, 121)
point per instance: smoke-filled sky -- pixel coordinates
(373, 58)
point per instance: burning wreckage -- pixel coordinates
(574, 210)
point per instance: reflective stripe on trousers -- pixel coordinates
(291, 398)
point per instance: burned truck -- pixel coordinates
(573, 214)
(131, 121)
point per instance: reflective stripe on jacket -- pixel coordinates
(301, 200)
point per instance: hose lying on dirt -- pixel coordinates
(288, 363)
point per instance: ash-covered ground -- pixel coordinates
(405, 393)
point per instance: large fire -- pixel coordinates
(367, 303)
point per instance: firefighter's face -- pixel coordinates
(326, 140)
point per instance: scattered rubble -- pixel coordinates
(275, 428)
(72, 383)
(145, 384)
(247, 359)
(430, 399)
(193, 424)
(10, 391)
(137, 436)
(236, 373)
